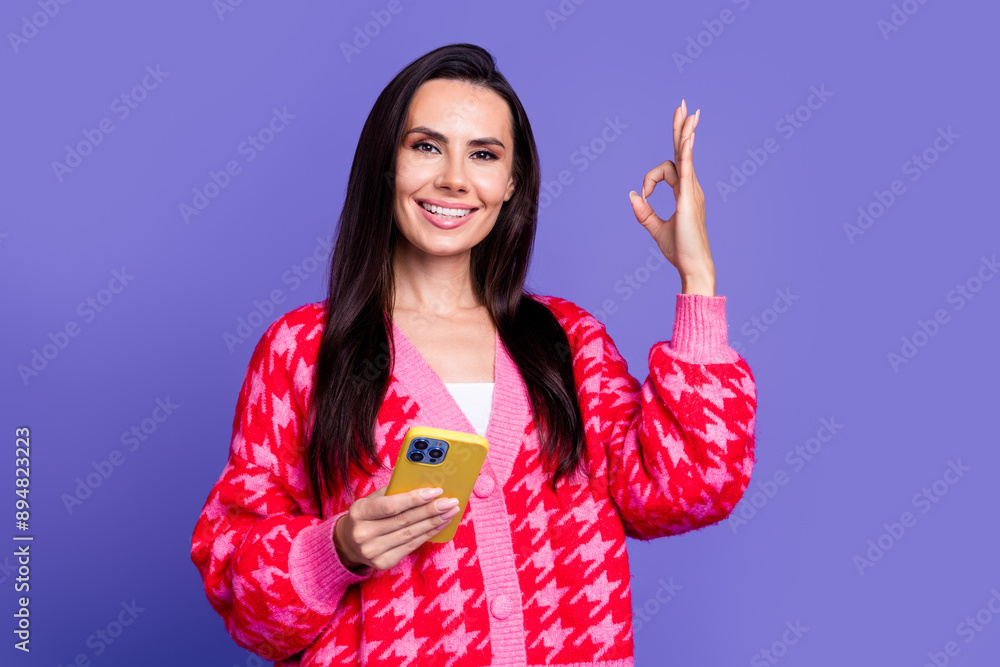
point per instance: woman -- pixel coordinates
(303, 554)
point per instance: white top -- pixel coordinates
(476, 400)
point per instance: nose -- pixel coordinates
(452, 176)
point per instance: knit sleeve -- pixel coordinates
(269, 569)
(680, 448)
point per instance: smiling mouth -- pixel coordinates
(442, 218)
(446, 213)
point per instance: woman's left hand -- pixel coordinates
(682, 238)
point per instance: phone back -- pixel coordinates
(432, 457)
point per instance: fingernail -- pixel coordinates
(445, 503)
(430, 493)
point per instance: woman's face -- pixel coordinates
(457, 152)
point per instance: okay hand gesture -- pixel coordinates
(682, 238)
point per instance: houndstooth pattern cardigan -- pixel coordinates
(529, 578)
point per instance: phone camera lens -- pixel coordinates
(436, 453)
(420, 443)
(416, 456)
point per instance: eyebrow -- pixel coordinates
(484, 141)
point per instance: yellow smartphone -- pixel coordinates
(435, 457)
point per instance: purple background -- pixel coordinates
(782, 231)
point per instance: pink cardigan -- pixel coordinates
(529, 578)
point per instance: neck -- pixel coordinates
(431, 284)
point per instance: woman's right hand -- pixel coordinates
(379, 530)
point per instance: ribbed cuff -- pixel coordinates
(316, 571)
(700, 335)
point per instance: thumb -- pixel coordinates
(643, 211)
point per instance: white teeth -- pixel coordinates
(446, 212)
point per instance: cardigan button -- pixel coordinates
(501, 607)
(484, 486)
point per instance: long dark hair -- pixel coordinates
(353, 368)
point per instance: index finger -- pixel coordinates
(396, 503)
(680, 115)
(666, 172)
